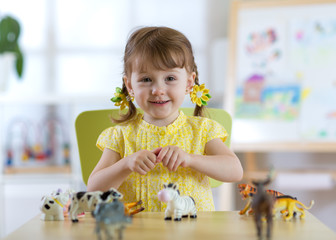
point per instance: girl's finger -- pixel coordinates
(144, 168)
(141, 171)
(166, 158)
(149, 164)
(162, 154)
(156, 151)
(177, 164)
(152, 157)
(172, 160)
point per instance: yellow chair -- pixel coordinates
(90, 124)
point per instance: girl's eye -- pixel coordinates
(145, 80)
(170, 78)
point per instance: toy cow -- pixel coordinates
(111, 217)
(178, 206)
(87, 201)
(52, 207)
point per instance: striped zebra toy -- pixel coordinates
(177, 206)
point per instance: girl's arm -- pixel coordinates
(219, 162)
(110, 171)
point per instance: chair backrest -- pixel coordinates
(90, 124)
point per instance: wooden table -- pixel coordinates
(208, 226)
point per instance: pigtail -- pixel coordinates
(198, 111)
(131, 110)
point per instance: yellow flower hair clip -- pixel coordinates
(200, 95)
(120, 99)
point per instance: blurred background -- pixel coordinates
(73, 54)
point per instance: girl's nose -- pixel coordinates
(157, 90)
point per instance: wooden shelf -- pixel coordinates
(329, 147)
(38, 170)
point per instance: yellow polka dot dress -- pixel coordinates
(188, 133)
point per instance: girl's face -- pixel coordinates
(160, 93)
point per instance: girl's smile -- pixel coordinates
(159, 103)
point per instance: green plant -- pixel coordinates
(9, 35)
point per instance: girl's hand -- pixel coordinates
(143, 161)
(172, 157)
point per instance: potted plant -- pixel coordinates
(9, 35)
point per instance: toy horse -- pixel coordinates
(111, 218)
(177, 205)
(262, 205)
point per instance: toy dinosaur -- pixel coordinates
(286, 205)
(247, 192)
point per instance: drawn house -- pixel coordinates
(253, 88)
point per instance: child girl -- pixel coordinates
(162, 145)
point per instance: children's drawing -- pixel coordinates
(263, 90)
(313, 51)
(285, 71)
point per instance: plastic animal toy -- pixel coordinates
(262, 205)
(68, 193)
(111, 217)
(52, 207)
(87, 201)
(129, 206)
(286, 205)
(247, 192)
(177, 206)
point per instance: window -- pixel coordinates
(76, 47)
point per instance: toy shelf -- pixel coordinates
(251, 175)
(62, 105)
(37, 170)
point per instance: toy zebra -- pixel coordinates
(179, 206)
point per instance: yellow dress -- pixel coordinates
(188, 133)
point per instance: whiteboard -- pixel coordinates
(282, 73)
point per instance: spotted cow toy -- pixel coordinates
(87, 201)
(52, 206)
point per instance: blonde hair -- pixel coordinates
(164, 48)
